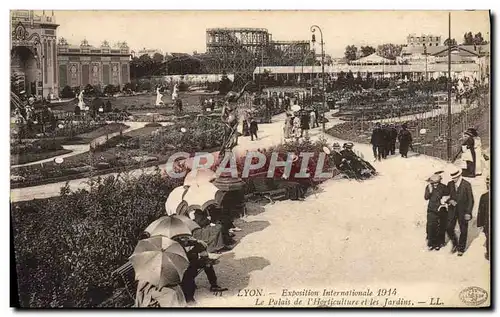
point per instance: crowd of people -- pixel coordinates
(384, 137)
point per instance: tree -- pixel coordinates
(225, 84)
(389, 50)
(479, 40)
(158, 58)
(476, 39)
(468, 38)
(351, 52)
(450, 43)
(367, 50)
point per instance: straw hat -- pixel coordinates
(456, 173)
(468, 133)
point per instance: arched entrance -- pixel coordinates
(24, 70)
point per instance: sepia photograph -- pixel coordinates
(250, 159)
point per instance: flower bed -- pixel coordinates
(118, 152)
(16, 159)
(34, 150)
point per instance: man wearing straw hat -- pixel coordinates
(461, 203)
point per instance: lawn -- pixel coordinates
(16, 159)
(146, 103)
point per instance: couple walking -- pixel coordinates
(448, 204)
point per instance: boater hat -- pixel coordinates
(435, 178)
(456, 173)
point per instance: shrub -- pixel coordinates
(37, 146)
(66, 255)
(145, 85)
(183, 86)
(109, 89)
(67, 92)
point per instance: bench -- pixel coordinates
(271, 189)
(126, 275)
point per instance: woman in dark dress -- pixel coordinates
(210, 232)
(405, 141)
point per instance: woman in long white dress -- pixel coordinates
(478, 151)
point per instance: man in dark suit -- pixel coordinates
(461, 203)
(377, 141)
(483, 216)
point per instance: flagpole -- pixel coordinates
(448, 143)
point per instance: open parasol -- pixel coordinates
(174, 204)
(192, 226)
(168, 227)
(160, 261)
(202, 196)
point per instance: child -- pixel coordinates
(253, 129)
(436, 216)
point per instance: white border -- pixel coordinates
(199, 5)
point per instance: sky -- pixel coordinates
(184, 31)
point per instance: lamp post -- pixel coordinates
(313, 29)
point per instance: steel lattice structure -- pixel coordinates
(239, 50)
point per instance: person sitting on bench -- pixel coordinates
(198, 257)
(209, 232)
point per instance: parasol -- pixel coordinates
(160, 261)
(199, 176)
(202, 196)
(174, 203)
(168, 227)
(192, 226)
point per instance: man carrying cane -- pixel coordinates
(461, 203)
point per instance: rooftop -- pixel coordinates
(120, 48)
(463, 50)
